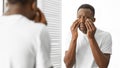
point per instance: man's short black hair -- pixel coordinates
(22, 2)
(87, 6)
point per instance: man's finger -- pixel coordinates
(74, 24)
(88, 26)
(90, 22)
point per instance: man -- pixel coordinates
(24, 43)
(89, 46)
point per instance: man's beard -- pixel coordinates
(83, 28)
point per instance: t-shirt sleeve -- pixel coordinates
(106, 46)
(44, 48)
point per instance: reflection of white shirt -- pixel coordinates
(84, 56)
(23, 43)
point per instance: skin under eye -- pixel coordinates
(78, 16)
(82, 16)
(89, 18)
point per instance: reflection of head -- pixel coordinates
(22, 2)
(87, 6)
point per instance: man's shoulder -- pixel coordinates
(31, 24)
(100, 34)
(38, 27)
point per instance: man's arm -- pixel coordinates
(69, 58)
(101, 59)
(46, 48)
(43, 49)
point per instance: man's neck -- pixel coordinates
(14, 10)
(18, 9)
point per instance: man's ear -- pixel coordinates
(34, 6)
(94, 19)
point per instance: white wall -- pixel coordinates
(107, 19)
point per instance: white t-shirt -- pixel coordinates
(23, 43)
(84, 56)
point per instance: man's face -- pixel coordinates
(83, 14)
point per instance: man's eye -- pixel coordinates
(88, 17)
(79, 17)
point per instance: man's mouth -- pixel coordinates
(83, 27)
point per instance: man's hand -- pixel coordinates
(91, 29)
(74, 30)
(40, 17)
(70, 54)
(101, 59)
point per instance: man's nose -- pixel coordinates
(82, 20)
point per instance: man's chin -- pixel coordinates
(84, 31)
